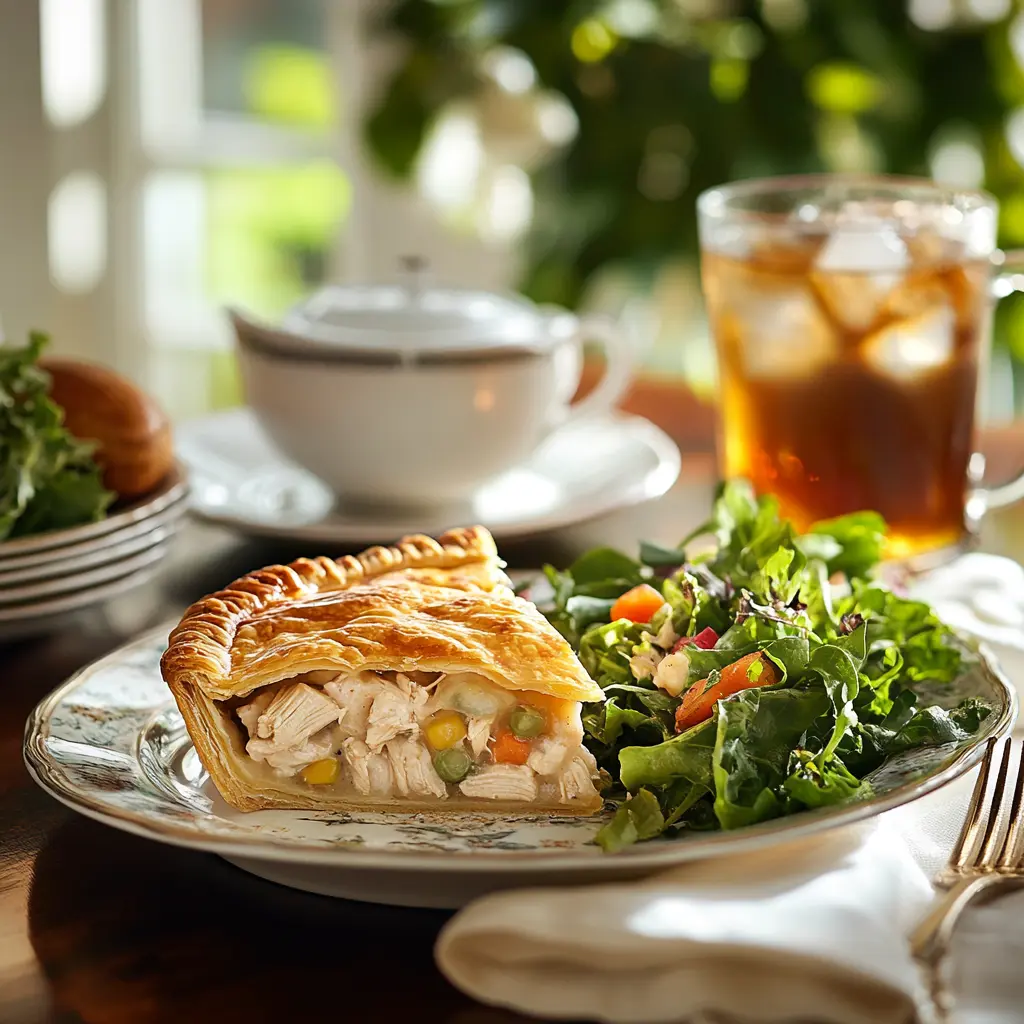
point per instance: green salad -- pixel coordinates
(769, 674)
(49, 480)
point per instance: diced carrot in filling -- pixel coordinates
(509, 749)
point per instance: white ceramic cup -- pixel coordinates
(422, 432)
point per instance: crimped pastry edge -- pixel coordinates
(199, 647)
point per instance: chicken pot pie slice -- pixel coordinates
(404, 678)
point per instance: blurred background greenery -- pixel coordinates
(556, 146)
(622, 111)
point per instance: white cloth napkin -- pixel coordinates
(811, 931)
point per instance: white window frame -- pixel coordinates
(156, 45)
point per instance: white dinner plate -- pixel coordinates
(172, 490)
(583, 470)
(84, 580)
(122, 540)
(19, 621)
(53, 571)
(110, 744)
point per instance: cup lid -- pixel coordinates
(414, 320)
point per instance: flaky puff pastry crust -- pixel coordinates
(430, 605)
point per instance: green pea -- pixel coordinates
(452, 764)
(526, 723)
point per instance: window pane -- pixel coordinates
(259, 237)
(270, 231)
(266, 59)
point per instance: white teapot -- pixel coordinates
(415, 396)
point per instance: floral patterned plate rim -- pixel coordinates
(110, 744)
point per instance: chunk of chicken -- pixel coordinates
(576, 781)
(501, 782)
(289, 760)
(393, 713)
(644, 664)
(672, 673)
(370, 772)
(548, 756)
(294, 713)
(355, 694)
(248, 714)
(478, 732)
(667, 636)
(414, 770)
(417, 692)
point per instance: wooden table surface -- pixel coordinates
(103, 927)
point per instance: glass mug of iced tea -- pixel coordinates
(852, 319)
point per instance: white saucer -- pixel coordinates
(585, 469)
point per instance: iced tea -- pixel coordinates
(849, 365)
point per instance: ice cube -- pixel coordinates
(917, 293)
(782, 331)
(864, 250)
(907, 350)
(856, 270)
(854, 300)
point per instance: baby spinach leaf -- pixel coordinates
(755, 733)
(602, 564)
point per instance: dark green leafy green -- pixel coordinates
(48, 479)
(857, 541)
(756, 732)
(602, 564)
(852, 668)
(813, 786)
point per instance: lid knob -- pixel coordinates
(415, 273)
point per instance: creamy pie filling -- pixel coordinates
(417, 735)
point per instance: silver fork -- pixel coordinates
(988, 853)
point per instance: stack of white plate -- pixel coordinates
(45, 577)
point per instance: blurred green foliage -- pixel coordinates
(290, 84)
(674, 96)
(269, 231)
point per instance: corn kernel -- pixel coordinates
(321, 773)
(445, 729)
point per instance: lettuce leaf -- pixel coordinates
(857, 539)
(755, 734)
(640, 817)
(49, 480)
(853, 663)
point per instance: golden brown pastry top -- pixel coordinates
(434, 605)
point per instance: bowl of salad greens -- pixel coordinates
(753, 673)
(54, 492)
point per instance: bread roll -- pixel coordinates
(133, 435)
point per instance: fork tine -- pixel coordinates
(987, 857)
(961, 857)
(1010, 854)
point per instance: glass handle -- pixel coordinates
(1008, 279)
